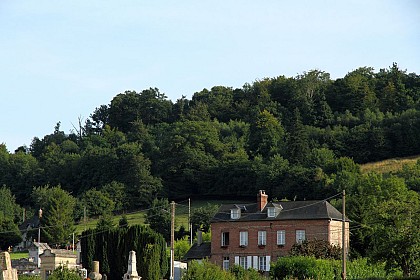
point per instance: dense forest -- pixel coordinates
(297, 137)
(284, 135)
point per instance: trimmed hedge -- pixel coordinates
(302, 268)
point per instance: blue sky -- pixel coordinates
(59, 60)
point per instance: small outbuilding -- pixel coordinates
(54, 258)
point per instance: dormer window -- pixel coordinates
(271, 212)
(235, 213)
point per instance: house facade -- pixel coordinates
(254, 235)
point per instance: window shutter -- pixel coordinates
(249, 261)
(255, 262)
(237, 260)
(268, 262)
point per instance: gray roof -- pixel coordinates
(59, 253)
(43, 246)
(287, 210)
(32, 223)
(198, 252)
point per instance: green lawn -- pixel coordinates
(137, 217)
(19, 255)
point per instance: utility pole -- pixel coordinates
(171, 277)
(39, 225)
(84, 216)
(343, 239)
(189, 221)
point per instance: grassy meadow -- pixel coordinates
(138, 217)
(388, 165)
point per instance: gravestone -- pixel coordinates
(132, 268)
(6, 270)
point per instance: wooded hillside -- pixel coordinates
(282, 134)
(297, 137)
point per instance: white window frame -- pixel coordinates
(262, 263)
(300, 236)
(226, 263)
(262, 238)
(243, 238)
(223, 238)
(281, 237)
(235, 214)
(243, 262)
(271, 212)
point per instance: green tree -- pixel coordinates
(394, 221)
(150, 248)
(8, 206)
(159, 217)
(188, 151)
(20, 172)
(105, 223)
(9, 233)
(201, 217)
(266, 135)
(297, 140)
(133, 170)
(388, 216)
(181, 247)
(149, 105)
(57, 213)
(218, 100)
(97, 203)
(123, 222)
(116, 191)
(411, 175)
(320, 249)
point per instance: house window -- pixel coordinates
(243, 262)
(281, 237)
(300, 236)
(225, 263)
(243, 238)
(225, 238)
(262, 238)
(262, 263)
(235, 214)
(271, 212)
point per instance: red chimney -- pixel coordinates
(261, 200)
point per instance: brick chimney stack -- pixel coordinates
(262, 199)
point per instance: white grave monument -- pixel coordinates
(132, 268)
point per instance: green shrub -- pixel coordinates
(63, 273)
(206, 271)
(310, 268)
(246, 274)
(301, 268)
(362, 269)
(28, 277)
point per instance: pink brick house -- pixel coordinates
(253, 235)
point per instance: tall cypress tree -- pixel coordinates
(111, 249)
